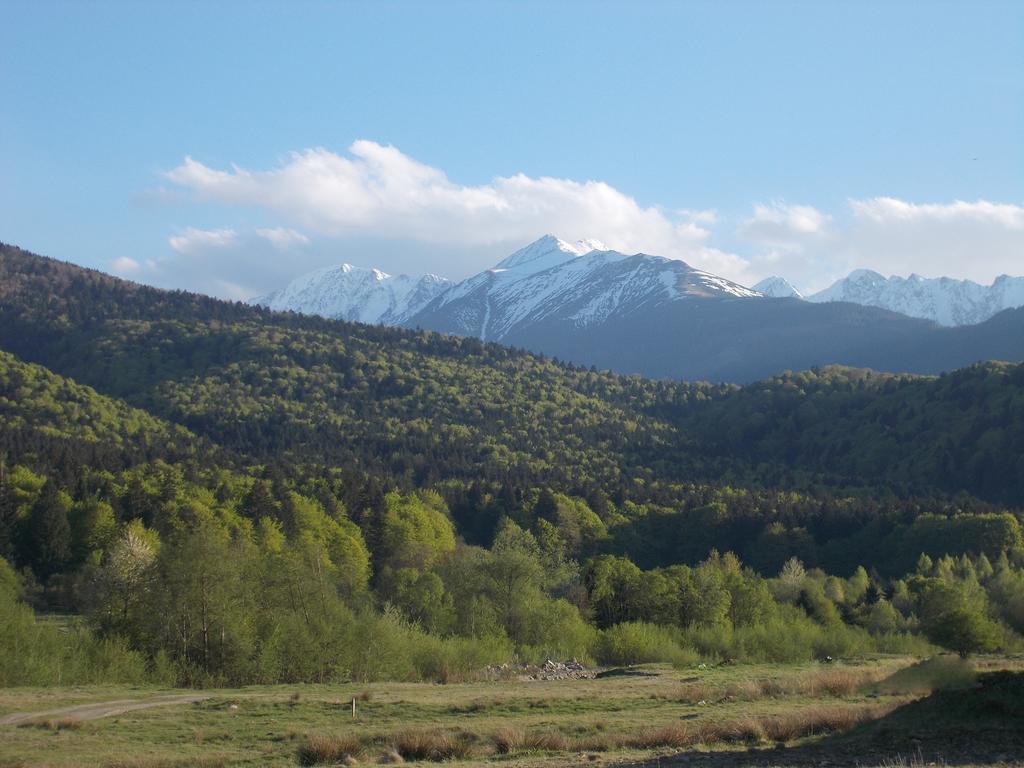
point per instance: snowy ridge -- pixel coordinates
(581, 283)
(548, 251)
(777, 288)
(355, 293)
(942, 299)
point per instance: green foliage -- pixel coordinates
(416, 531)
(242, 496)
(37, 652)
(638, 642)
(964, 630)
(47, 532)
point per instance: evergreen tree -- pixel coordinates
(47, 546)
(259, 502)
(8, 515)
(546, 507)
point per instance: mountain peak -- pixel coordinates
(863, 276)
(776, 287)
(349, 292)
(548, 251)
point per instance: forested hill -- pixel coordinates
(411, 407)
(959, 432)
(417, 409)
(60, 422)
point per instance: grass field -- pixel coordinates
(845, 713)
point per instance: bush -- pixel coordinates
(638, 642)
(458, 658)
(559, 632)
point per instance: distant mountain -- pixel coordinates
(942, 299)
(355, 293)
(551, 280)
(777, 288)
(743, 340)
(651, 315)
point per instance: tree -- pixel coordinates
(422, 598)
(201, 611)
(416, 530)
(48, 533)
(8, 515)
(515, 575)
(93, 529)
(259, 502)
(546, 507)
(124, 579)
(965, 631)
(791, 579)
(614, 584)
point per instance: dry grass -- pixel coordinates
(509, 740)
(432, 744)
(820, 720)
(320, 749)
(163, 762)
(685, 735)
(52, 724)
(824, 682)
(439, 744)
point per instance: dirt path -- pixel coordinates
(99, 709)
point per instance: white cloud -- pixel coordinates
(375, 206)
(192, 239)
(965, 240)
(779, 224)
(889, 209)
(282, 238)
(124, 266)
(377, 191)
(978, 240)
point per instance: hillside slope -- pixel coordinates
(419, 408)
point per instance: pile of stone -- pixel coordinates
(558, 670)
(549, 670)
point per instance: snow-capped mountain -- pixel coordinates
(660, 317)
(581, 284)
(942, 299)
(777, 288)
(548, 251)
(355, 293)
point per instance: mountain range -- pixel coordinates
(250, 384)
(942, 299)
(355, 293)
(657, 317)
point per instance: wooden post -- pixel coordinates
(353, 706)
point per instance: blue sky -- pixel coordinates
(803, 139)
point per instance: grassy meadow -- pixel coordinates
(626, 715)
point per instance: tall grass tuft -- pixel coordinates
(433, 744)
(320, 749)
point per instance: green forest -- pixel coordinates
(198, 492)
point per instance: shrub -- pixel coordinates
(638, 642)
